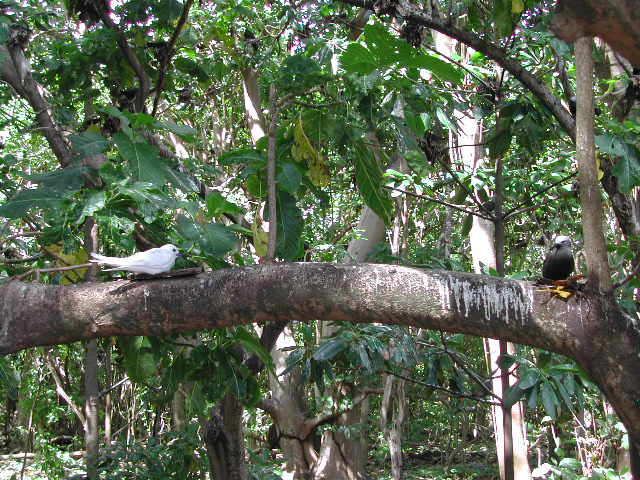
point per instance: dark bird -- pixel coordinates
(559, 262)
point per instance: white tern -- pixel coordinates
(153, 261)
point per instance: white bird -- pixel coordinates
(153, 261)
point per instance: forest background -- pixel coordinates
(426, 140)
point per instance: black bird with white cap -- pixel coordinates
(559, 262)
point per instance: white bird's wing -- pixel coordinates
(151, 261)
(155, 260)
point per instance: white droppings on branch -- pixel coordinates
(145, 294)
(489, 299)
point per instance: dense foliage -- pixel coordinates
(153, 100)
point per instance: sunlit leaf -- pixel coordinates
(369, 177)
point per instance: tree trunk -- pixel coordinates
(288, 409)
(91, 431)
(224, 440)
(252, 104)
(392, 414)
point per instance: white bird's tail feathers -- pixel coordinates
(112, 261)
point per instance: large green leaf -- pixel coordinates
(55, 187)
(299, 73)
(386, 48)
(445, 71)
(244, 155)
(89, 143)
(139, 360)
(627, 168)
(330, 348)
(290, 226)
(358, 59)
(549, 400)
(64, 181)
(143, 158)
(183, 131)
(289, 177)
(213, 239)
(370, 182)
(218, 205)
(383, 50)
(91, 204)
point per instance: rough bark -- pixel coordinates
(590, 195)
(614, 21)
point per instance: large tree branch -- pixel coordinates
(15, 70)
(589, 328)
(614, 21)
(34, 314)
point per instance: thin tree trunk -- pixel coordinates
(252, 104)
(108, 406)
(91, 431)
(392, 412)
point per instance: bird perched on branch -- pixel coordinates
(559, 262)
(153, 261)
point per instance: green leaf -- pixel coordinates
(143, 158)
(500, 139)
(445, 120)
(65, 181)
(218, 205)
(627, 171)
(290, 226)
(183, 131)
(244, 155)
(151, 201)
(213, 239)
(251, 343)
(289, 177)
(139, 362)
(299, 73)
(94, 202)
(365, 360)
(89, 143)
(55, 187)
(502, 17)
(529, 378)
(370, 182)
(179, 179)
(414, 122)
(445, 71)
(357, 59)
(549, 400)
(562, 390)
(329, 349)
(191, 67)
(386, 48)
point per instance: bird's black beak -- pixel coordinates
(179, 255)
